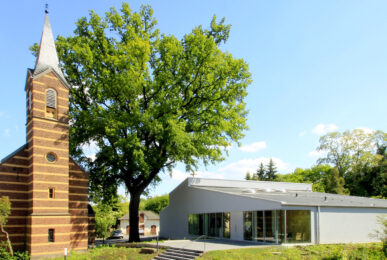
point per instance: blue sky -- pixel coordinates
(317, 66)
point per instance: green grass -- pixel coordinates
(105, 252)
(371, 251)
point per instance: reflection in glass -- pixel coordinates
(226, 225)
(218, 229)
(210, 224)
(298, 226)
(248, 225)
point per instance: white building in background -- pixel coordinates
(271, 212)
(149, 223)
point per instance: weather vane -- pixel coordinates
(46, 11)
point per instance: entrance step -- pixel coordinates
(173, 253)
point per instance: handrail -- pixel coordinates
(198, 238)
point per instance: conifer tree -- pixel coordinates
(271, 172)
(248, 176)
(261, 172)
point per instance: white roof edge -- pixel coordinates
(288, 186)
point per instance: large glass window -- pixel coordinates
(281, 226)
(260, 228)
(226, 225)
(218, 228)
(270, 226)
(277, 226)
(298, 226)
(248, 225)
(210, 224)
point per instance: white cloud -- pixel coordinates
(7, 132)
(253, 148)
(317, 154)
(236, 170)
(179, 175)
(322, 129)
(303, 133)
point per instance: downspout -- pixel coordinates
(318, 226)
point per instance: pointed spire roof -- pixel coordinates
(47, 57)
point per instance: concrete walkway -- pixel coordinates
(211, 244)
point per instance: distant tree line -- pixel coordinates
(353, 162)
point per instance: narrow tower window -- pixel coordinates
(51, 103)
(51, 193)
(51, 235)
(29, 100)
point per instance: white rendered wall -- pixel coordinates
(348, 225)
(148, 226)
(186, 200)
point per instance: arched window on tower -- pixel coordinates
(51, 108)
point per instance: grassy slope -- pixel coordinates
(328, 252)
(114, 253)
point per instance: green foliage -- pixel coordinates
(381, 233)
(268, 173)
(261, 172)
(6, 255)
(340, 251)
(360, 158)
(106, 252)
(271, 171)
(157, 203)
(5, 209)
(334, 183)
(316, 175)
(105, 218)
(149, 100)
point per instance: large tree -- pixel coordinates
(150, 100)
(360, 158)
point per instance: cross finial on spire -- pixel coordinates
(46, 11)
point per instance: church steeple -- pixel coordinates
(47, 57)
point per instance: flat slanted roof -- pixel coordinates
(288, 194)
(302, 198)
(263, 185)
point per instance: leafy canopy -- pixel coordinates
(150, 100)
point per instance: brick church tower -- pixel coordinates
(47, 189)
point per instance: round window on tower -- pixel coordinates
(51, 157)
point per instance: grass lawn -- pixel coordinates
(372, 251)
(116, 253)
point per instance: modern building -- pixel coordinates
(269, 212)
(48, 190)
(149, 223)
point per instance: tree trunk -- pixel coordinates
(8, 241)
(134, 205)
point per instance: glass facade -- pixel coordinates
(210, 224)
(277, 226)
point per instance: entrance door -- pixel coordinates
(127, 230)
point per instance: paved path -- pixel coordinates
(211, 244)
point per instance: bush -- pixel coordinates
(4, 254)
